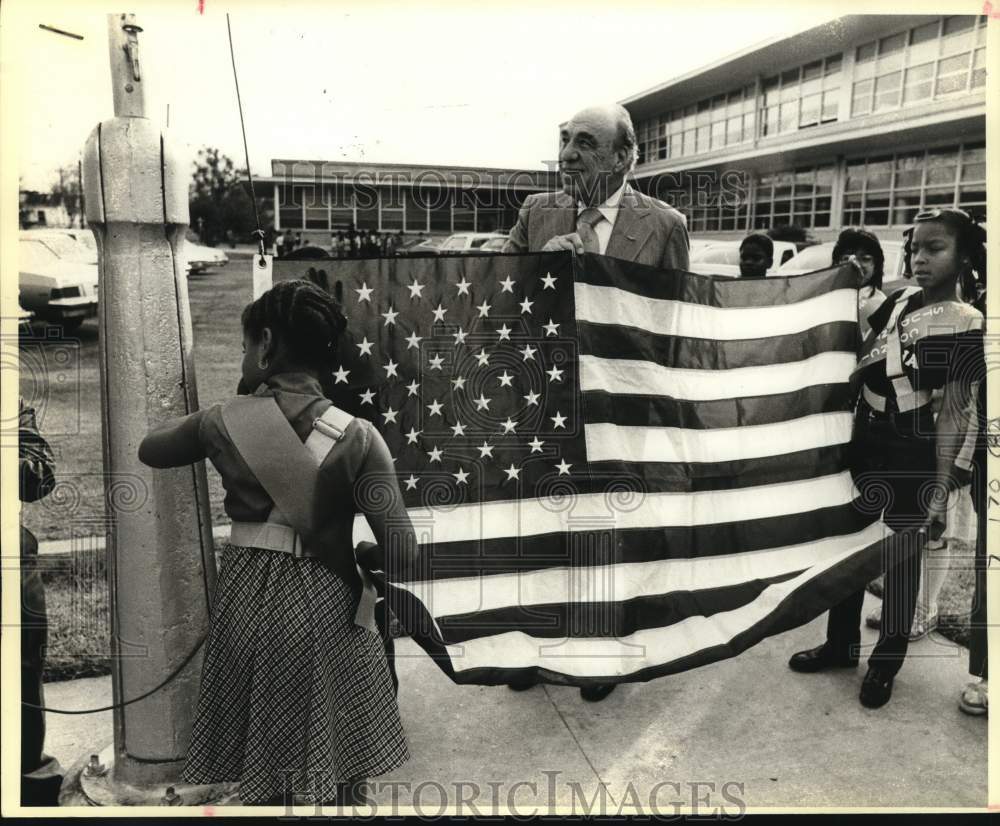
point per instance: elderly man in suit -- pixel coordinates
(597, 211)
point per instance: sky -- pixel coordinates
(452, 83)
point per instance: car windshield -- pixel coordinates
(811, 258)
(87, 239)
(65, 247)
(456, 242)
(718, 254)
(494, 244)
(34, 255)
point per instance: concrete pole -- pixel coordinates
(160, 551)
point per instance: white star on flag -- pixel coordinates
(526, 306)
(504, 333)
(536, 445)
(411, 483)
(435, 454)
(364, 292)
(532, 397)
(509, 426)
(439, 313)
(390, 415)
(458, 429)
(463, 286)
(461, 476)
(482, 357)
(507, 286)
(460, 336)
(411, 437)
(413, 341)
(482, 403)
(390, 317)
(484, 310)
(367, 397)
(341, 375)
(435, 408)
(390, 369)
(436, 362)
(412, 388)
(512, 472)
(549, 281)
(555, 374)
(563, 468)
(558, 420)
(365, 346)
(485, 449)
(528, 352)
(458, 383)
(415, 289)
(551, 328)
(505, 379)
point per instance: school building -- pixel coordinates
(320, 197)
(864, 120)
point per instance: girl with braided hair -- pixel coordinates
(921, 340)
(296, 696)
(866, 249)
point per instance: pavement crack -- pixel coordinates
(576, 740)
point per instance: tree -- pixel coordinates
(67, 191)
(218, 200)
(789, 232)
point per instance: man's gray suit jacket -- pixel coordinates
(646, 231)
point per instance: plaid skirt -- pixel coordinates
(294, 696)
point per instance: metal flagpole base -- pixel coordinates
(91, 782)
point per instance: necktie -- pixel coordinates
(585, 223)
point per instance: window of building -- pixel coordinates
(710, 124)
(889, 191)
(972, 181)
(801, 98)
(934, 60)
(801, 196)
(714, 204)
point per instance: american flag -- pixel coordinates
(615, 472)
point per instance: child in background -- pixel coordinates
(866, 249)
(296, 695)
(756, 255)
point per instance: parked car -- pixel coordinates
(307, 253)
(81, 246)
(494, 245)
(23, 317)
(696, 245)
(199, 257)
(723, 258)
(462, 242)
(420, 246)
(55, 284)
(84, 238)
(820, 256)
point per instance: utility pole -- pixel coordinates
(161, 564)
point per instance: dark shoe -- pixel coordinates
(876, 689)
(596, 693)
(819, 659)
(521, 685)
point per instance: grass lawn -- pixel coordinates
(60, 379)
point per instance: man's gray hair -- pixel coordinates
(626, 134)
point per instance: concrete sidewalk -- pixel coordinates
(744, 731)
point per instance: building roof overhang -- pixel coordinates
(766, 58)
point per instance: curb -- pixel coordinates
(96, 542)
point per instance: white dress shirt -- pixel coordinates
(609, 210)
